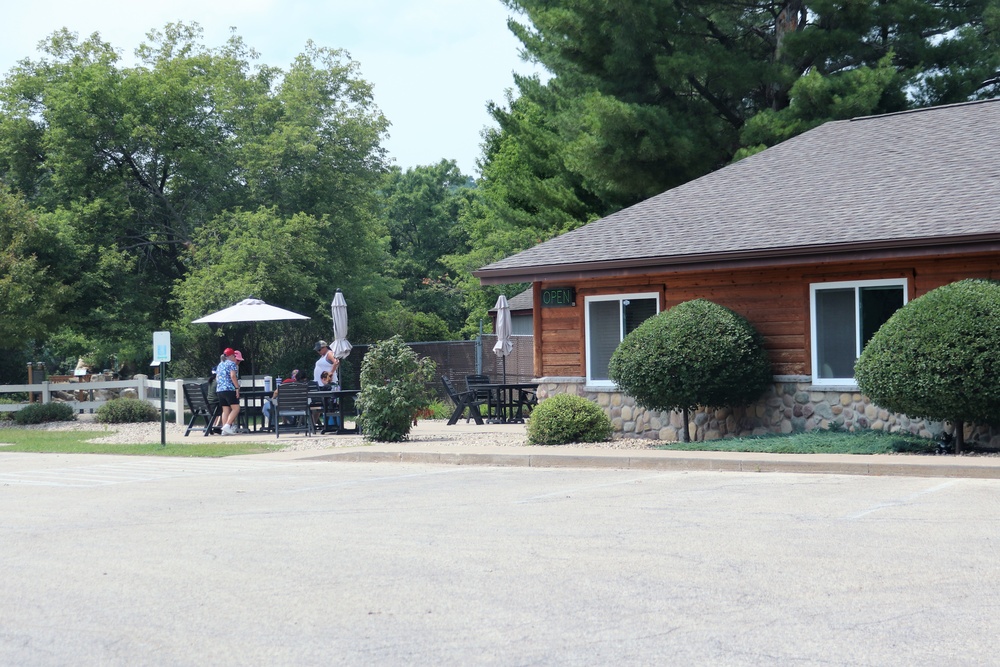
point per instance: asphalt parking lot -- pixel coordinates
(128, 560)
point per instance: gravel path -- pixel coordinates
(150, 433)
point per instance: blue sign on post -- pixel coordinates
(161, 355)
(161, 346)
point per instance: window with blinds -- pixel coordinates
(845, 316)
(609, 318)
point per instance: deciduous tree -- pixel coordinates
(698, 353)
(421, 208)
(938, 357)
(132, 162)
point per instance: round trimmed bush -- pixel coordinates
(38, 413)
(938, 357)
(565, 418)
(698, 353)
(126, 411)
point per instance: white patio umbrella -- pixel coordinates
(338, 309)
(503, 329)
(249, 310)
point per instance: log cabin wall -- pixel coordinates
(774, 300)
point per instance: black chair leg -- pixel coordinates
(215, 413)
(457, 414)
(194, 418)
(474, 412)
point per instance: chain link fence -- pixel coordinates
(457, 358)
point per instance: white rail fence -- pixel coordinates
(88, 396)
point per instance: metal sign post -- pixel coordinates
(161, 355)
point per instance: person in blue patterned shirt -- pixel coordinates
(227, 386)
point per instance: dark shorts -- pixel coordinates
(228, 398)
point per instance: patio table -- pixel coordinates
(507, 400)
(335, 403)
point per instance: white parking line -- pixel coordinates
(390, 478)
(568, 492)
(897, 503)
(127, 472)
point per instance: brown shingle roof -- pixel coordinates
(523, 301)
(920, 178)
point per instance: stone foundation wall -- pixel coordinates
(789, 405)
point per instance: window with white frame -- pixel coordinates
(844, 317)
(609, 318)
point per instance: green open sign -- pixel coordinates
(559, 296)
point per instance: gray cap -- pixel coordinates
(320, 345)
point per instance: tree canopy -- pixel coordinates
(654, 93)
(139, 194)
(640, 96)
(938, 357)
(139, 170)
(421, 209)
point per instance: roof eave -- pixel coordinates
(741, 259)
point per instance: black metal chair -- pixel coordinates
(463, 400)
(197, 402)
(292, 402)
(486, 395)
(526, 402)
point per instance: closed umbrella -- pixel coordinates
(249, 310)
(338, 309)
(503, 328)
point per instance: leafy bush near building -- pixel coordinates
(393, 388)
(126, 411)
(38, 413)
(698, 353)
(565, 418)
(7, 416)
(938, 357)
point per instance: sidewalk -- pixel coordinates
(435, 442)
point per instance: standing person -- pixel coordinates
(327, 363)
(213, 396)
(228, 388)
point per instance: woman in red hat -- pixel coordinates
(227, 387)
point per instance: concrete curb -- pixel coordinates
(716, 463)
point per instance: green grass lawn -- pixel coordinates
(816, 442)
(75, 442)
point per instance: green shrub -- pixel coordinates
(38, 413)
(566, 418)
(126, 411)
(698, 353)
(393, 389)
(938, 357)
(437, 409)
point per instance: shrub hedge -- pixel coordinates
(126, 411)
(938, 357)
(696, 353)
(38, 413)
(565, 418)
(393, 389)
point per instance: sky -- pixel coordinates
(434, 64)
